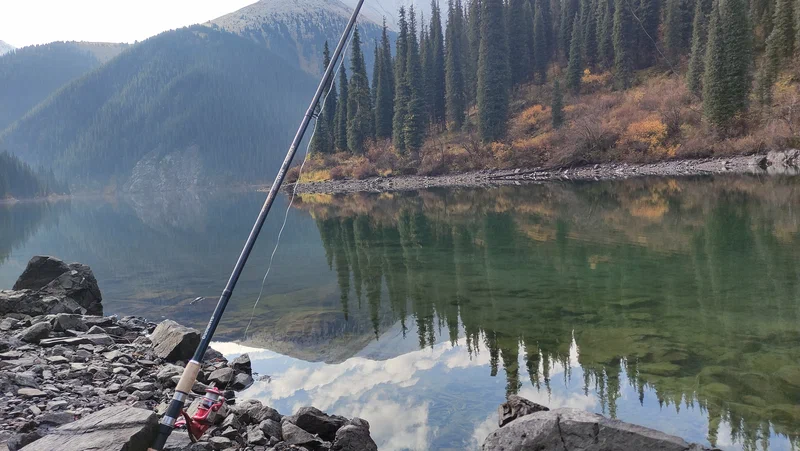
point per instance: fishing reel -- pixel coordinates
(206, 415)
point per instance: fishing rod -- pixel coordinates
(189, 376)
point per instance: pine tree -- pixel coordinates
(329, 111)
(697, 64)
(677, 28)
(649, 13)
(605, 35)
(557, 108)
(437, 82)
(575, 66)
(376, 68)
(322, 140)
(589, 38)
(541, 54)
(359, 100)
(780, 45)
(426, 62)
(454, 67)
(414, 126)
(474, 35)
(624, 44)
(384, 87)
(726, 84)
(340, 126)
(569, 9)
(493, 73)
(544, 7)
(401, 90)
(519, 58)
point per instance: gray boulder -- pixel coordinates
(573, 429)
(252, 411)
(61, 287)
(293, 435)
(221, 377)
(64, 321)
(317, 422)
(242, 364)
(35, 333)
(23, 301)
(40, 271)
(271, 428)
(18, 441)
(118, 428)
(174, 342)
(353, 438)
(515, 407)
(241, 381)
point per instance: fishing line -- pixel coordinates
(294, 188)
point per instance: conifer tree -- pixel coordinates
(493, 73)
(677, 28)
(376, 67)
(414, 126)
(726, 83)
(437, 82)
(340, 126)
(474, 35)
(780, 45)
(649, 14)
(359, 100)
(519, 56)
(455, 67)
(547, 12)
(605, 34)
(384, 87)
(401, 91)
(589, 38)
(575, 66)
(426, 62)
(557, 108)
(322, 140)
(329, 112)
(624, 44)
(541, 55)
(697, 60)
(569, 9)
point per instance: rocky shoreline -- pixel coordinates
(777, 162)
(73, 379)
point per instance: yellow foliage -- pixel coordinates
(650, 132)
(316, 175)
(316, 198)
(595, 79)
(532, 143)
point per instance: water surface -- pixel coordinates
(669, 303)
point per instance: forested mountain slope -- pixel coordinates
(19, 181)
(5, 47)
(297, 30)
(31, 74)
(194, 102)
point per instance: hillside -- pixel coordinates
(187, 106)
(31, 74)
(5, 47)
(297, 31)
(19, 181)
(376, 10)
(532, 83)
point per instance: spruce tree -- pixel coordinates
(359, 100)
(726, 83)
(329, 111)
(557, 108)
(541, 54)
(545, 8)
(568, 11)
(384, 88)
(605, 35)
(780, 45)
(454, 67)
(530, 47)
(414, 126)
(426, 62)
(322, 140)
(493, 73)
(677, 28)
(519, 58)
(589, 38)
(649, 13)
(697, 60)
(401, 90)
(624, 44)
(474, 35)
(437, 82)
(575, 66)
(340, 126)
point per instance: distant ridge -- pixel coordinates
(5, 47)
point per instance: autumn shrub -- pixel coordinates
(648, 134)
(591, 83)
(364, 169)
(292, 174)
(338, 173)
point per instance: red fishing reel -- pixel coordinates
(205, 416)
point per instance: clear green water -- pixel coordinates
(669, 303)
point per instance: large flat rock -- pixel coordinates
(573, 429)
(118, 428)
(174, 342)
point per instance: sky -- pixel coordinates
(29, 22)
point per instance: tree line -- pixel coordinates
(478, 54)
(20, 181)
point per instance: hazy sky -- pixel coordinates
(27, 22)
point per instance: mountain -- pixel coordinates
(31, 74)
(19, 181)
(187, 106)
(5, 47)
(297, 30)
(376, 10)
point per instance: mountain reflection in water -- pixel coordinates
(669, 303)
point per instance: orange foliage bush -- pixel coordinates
(648, 134)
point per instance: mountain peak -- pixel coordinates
(5, 47)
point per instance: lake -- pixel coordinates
(671, 303)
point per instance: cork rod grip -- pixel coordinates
(188, 378)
